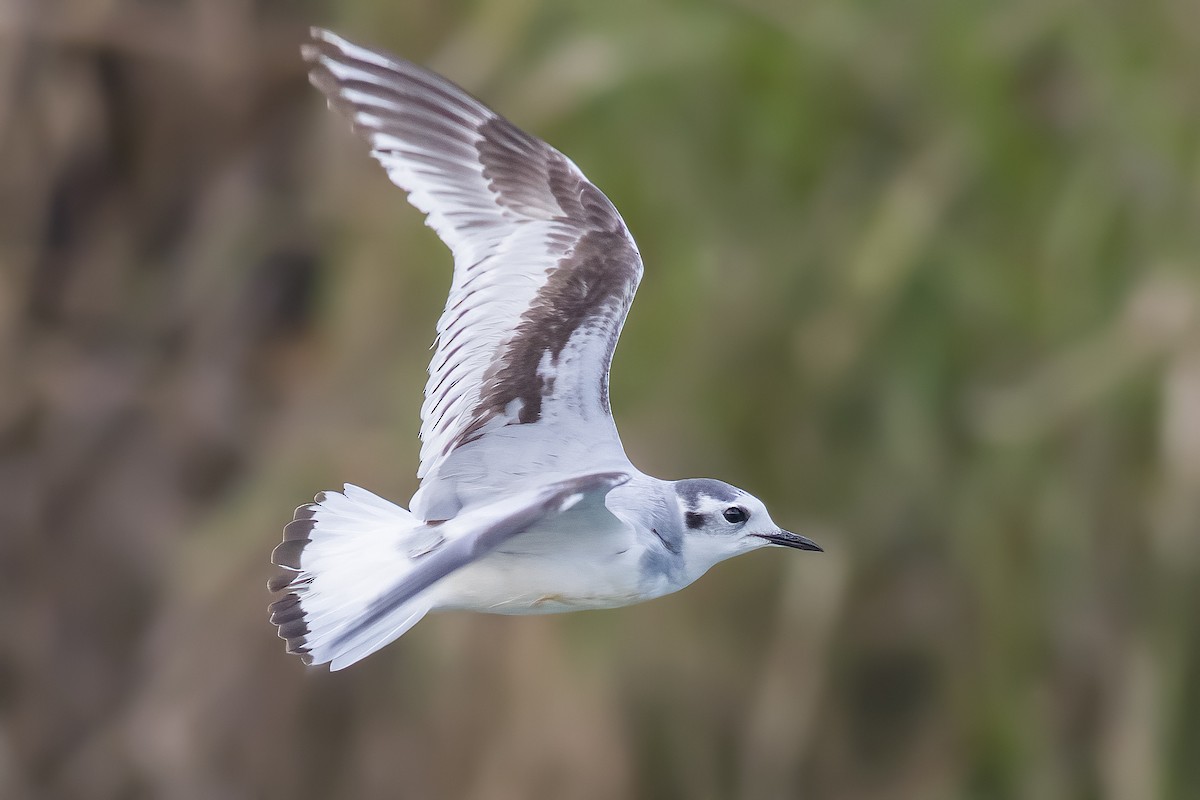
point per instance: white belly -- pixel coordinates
(585, 558)
(526, 583)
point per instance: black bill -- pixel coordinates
(788, 539)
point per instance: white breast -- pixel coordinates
(594, 562)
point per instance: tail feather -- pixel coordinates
(340, 553)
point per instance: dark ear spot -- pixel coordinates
(694, 520)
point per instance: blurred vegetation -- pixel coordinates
(924, 276)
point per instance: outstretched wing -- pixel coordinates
(544, 268)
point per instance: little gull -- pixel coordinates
(527, 502)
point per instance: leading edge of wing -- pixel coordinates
(480, 531)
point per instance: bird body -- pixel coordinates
(528, 503)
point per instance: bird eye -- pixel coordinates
(735, 515)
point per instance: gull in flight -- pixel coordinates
(527, 502)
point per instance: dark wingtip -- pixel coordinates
(298, 529)
(286, 609)
(287, 553)
(281, 581)
(288, 615)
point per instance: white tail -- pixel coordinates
(342, 553)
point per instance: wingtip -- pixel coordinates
(319, 34)
(324, 44)
(287, 553)
(310, 50)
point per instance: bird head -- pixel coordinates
(721, 521)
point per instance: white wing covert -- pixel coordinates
(544, 268)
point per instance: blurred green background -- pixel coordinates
(923, 276)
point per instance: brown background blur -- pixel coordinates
(924, 276)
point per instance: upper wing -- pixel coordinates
(544, 268)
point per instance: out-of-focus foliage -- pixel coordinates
(924, 276)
